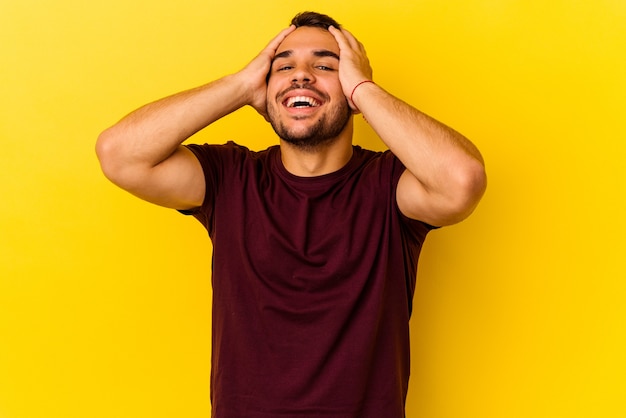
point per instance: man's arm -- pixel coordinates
(445, 174)
(143, 154)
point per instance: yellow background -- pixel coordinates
(520, 310)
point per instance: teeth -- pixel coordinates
(301, 101)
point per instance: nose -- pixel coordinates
(302, 75)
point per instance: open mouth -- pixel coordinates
(298, 102)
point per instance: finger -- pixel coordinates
(351, 39)
(340, 37)
(278, 39)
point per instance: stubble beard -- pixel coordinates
(323, 132)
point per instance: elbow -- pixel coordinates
(463, 190)
(105, 153)
(470, 187)
(108, 153)
(475, 180)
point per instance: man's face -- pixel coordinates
(305, 103)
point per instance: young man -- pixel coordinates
(315, 241)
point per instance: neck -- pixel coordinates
(317, 161)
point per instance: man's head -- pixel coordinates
(305, 102)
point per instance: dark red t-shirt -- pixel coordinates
(313, 279)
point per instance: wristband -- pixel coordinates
(354, 89)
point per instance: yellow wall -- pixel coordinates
(520, 311)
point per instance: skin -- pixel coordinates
(307, 64)
(444, 177)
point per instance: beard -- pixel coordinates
(323, 132)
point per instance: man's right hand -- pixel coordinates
(254, 75)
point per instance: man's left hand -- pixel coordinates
(354, 66)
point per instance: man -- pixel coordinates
(315, 241)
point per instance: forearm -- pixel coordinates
(153, 132)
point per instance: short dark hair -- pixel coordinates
(314, 19)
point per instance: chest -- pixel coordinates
(305, 239)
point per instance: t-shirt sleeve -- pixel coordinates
(413, 226)
(214, 161)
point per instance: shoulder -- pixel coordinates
(225, 154)
(230, 147)
(383, 164)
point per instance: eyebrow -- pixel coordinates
(317, 53)
(325, 53)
